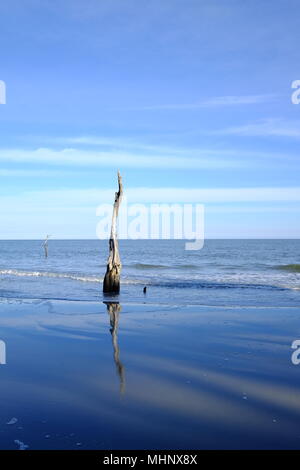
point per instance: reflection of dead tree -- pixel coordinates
(46, 246)
(113, 309)
(111, 283)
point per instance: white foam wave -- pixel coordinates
(15, 272)
(235, 279)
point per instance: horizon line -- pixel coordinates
(145, 239)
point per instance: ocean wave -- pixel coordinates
(73, 277)
(14, 272)
(162, 266)
(292, 268)
(148, 266)
(213, 285)
(228, 282)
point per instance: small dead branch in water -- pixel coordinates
(46, 245)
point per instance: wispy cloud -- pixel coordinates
(265, 128)
(4, 172)
(215, 102)
(90, 152)
(92, 197)
(118, 143)
(253, 209)
(110, 158)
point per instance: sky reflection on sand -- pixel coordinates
(195, 378)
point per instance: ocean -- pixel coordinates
(224, 272)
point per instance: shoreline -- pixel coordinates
(137, 303)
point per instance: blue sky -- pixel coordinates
(189, 99)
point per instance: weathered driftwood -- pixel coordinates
(111, 283)
(113, 309)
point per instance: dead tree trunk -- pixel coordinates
(111, 283)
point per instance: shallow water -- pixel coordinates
(224, 272)
(87, 376)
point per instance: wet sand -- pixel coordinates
(87, 375)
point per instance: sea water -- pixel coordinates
(224, 272)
